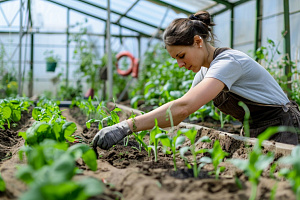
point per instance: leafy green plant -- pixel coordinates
(51, 57)
(10, 110)
(171, 143)
(277, 68)
(191, 135)
(50, 168)
(217, 156)
(292, 174)
(58, 130)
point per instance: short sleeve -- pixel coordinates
(226, 69)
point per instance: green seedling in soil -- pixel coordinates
(217, 156)
(2, 184)
(191, 135)
(156, 130)
(139, 138)
(171, 143)
(257, 162)
(246, 118)
(292, 174)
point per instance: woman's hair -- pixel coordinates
(181, 31)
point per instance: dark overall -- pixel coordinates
(262, 116)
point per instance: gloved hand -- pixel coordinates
(111, 135)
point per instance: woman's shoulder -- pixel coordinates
(228, 52)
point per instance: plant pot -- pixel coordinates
(51, 66)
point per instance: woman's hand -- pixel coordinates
(111, 135)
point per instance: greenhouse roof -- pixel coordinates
(144, 17)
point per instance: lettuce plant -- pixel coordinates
(10, 110)
(50, 169)
(39, 131)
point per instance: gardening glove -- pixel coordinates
(111, 135)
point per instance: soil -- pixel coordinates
(131, 174)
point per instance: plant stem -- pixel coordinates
(253, 191)
(195, 168)
(174, 160)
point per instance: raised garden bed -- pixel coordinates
(131, 174)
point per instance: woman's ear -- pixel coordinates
(198, 41)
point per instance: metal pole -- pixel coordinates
(287, 49)
(108, 50)
(20, 50)
(258, 25)
(67, 53)
(232, 27)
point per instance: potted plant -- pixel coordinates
(51, 60)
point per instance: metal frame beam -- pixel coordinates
(102, 19)
(287, 46)
(118, 13)
(258, 24)
(124, 14)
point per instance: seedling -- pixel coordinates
(257, 162)
(139, 138)
(292, 174)
(156, 130)
(171, 143)
(217, 156)
(191, 135)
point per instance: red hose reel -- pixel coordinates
(134, 65)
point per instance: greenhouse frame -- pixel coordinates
(29, 27)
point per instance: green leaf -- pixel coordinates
(92, 186)
(6, 112)
(16, 115)
(68, 129)
(2, 184)
(205, 160)
(90, 159)
(179, 141)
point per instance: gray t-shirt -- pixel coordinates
(244, 77)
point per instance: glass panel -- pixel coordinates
(222, 29)
(271, 7)
(244, 20)
(294, 5)
(191, 5)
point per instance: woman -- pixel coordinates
(225, 76)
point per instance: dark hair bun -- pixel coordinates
(204, 17)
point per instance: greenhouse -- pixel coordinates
(149, 99)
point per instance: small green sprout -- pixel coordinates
(191, 135)
(156, 130)
(172, 144)
(257, 162)
(217, 156)
(292, 174)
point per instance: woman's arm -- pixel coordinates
(181, 108)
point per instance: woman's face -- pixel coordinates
(190, 57)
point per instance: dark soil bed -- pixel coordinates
(131, 174)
